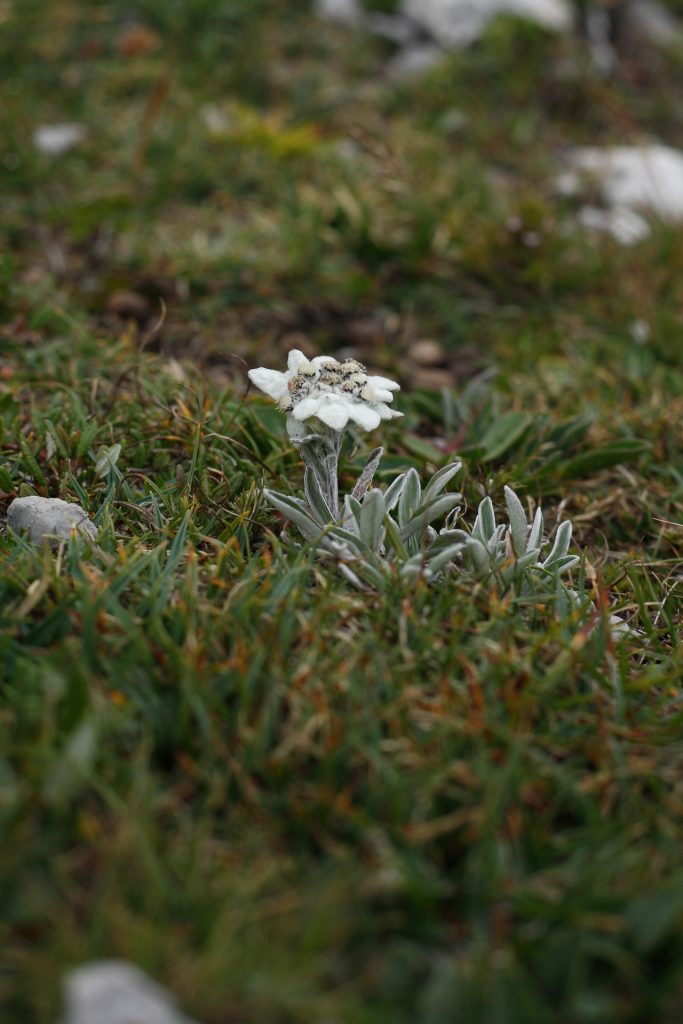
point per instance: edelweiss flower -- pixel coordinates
(333, 392)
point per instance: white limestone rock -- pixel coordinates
(624, 225)
(455, 24)
(347, 12)
(632, 180)
(115, 992)
(49, 518)
(55, 139)
(655, 22)
(414, 60)
(394, 27)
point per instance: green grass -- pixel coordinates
(288, 801)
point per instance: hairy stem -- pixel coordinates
(320, 452)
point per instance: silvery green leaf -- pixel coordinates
(577, 602)
(107, 459)
(517, 568)
(497, 544)
(304, 506)
(536, 535)
(330, 545)
(427, 513)
(351, 576)
(528, 559)
(451, 520)
(438, 561)
(441, 480)
(565, 563)
(367, 476)
(485, 523)
(316, 498)
(565, 602)
(560, 548)
(394, 537)
(477, 555)
(349, 521)
(413, 568)
(446, 502)
(371, 573)
(393, 492)
(410, 497)
(355, 508)
(371, 519)
(290, 508)
(518, 521)
(447, 538)
(354, 542)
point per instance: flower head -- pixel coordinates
(333, 392)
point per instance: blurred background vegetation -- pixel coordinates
(287, 801)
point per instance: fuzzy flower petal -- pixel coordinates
(295, 360)
(308, 407)
(387, 414)
(272, 382)
(382, 395)
(384, 383)
(334, 412)
(365, 416)
(329, 390)
(295, 428)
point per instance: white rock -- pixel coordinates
(55, 139)
(624, 225)
(414, 60)
(458, 23)
(631, 179)
(655, 22)
(395, 28)
(114, 992)
(348, 12)
(48, 517)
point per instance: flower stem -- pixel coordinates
(320, 452)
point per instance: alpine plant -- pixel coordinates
(372, 534)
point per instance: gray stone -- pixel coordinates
(655, 22)
(347, 12)
(115, 992)
(456, 24)
(414, 60)
(397, 29)
(624, 225)
(55, 139)
(631, 180)
(48, 517)
(393, 27)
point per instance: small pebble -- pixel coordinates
(55, 139)
(49, 518)
(114, 992)
(427, 352)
